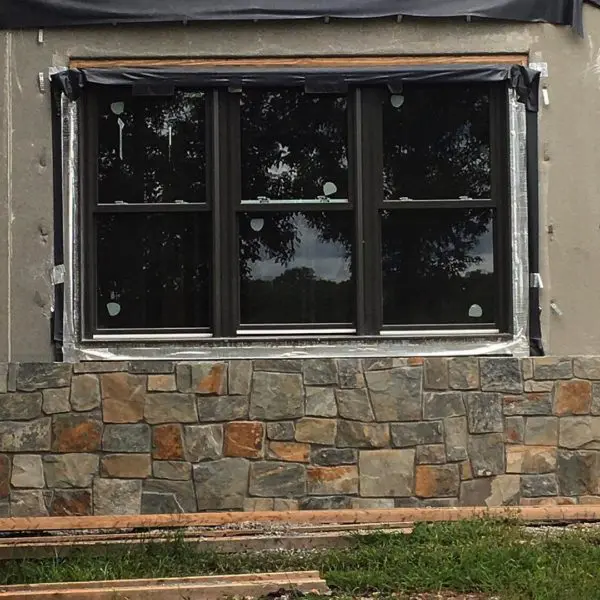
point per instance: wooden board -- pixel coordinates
(301, 62)
(348, 516)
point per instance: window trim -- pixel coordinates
(76, 345)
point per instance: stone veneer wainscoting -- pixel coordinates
(162, 437)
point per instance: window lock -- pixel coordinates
(263, 199)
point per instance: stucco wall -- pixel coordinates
(569, 144)
(160, 437)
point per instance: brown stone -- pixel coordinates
(4, 476)
(316, 431)
(76, 433)
(549, 501)
(332, 480)
(162, 383)
(572, 397)
(466, 472)
(258, 504)
(530, 459)
(122, 397)
(437, 481)
(66, 503)
(167, 442)
(244, 439)
(514, 430)
(209, 378)
(289, 451)
(126, 466)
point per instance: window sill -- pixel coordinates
(450, 343)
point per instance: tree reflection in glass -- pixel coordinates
(294, 145)
(438, 266)
(152, 149)
(436, 142)
(296, 267)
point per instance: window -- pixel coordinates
(274, 211)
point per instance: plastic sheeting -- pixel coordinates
(60, 13)
(523, 80)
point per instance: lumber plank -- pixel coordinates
(345, 516)
(300, 62)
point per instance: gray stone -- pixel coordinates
(325, 503)
(440, 405)
(203, 442)
(354, 404)
(538, 386)
(529, 404)
(38, 376)
(320, 402)
(11, 380)
(396, 394)
(350, 373)
(541, 431)
(126, 438)
(328, 457)
(27, 471)
(576, 432)
(596, 398)
(439, 503)
(530, 459)
(151, 367)
(386, 473)
(486, 452)
(31, 436)
(182, 492)
(277, 479)
(4, 509)
(455, 429)
(316, 431)
(117, 496)
(279, 365)
(578, 473)
(209, 378)
(463, 373)
(372, 503)
(276, 396)
(240, 377)
(27, 503)
(320, 371)
(514, 429)
(484, 412)
(436, 373)
(536, 486)
(157, 503)
(100, 367)
(377, 364)
(353, 434)
(475, 492)
(501, 375)
(282, 431)
(407, 503)
(431, 454)
(587, 367)
(551, 367)
(172, 469)
(85, 392)
(18, 407)
(222, 408)
(414, 434)
(75, 470)
(221, 484)
(56, 401)
(3, 378)
(170, 408)
(527, 368)
(506, 491)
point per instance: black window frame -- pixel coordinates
(223, 201)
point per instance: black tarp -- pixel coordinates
(59, 13)
(524, 80)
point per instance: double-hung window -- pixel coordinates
(272, 210)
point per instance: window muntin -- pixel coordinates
(293, 146)
(152, 149)
(239, 292)
(436, 143)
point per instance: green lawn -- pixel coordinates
(491, 557)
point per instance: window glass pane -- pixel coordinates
(153, 270)
(438, 266)
(294, 145)
(296, 267)
(152, 149)
(436, 143)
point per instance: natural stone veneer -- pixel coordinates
(164, 437)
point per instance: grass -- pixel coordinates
(497, 558)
